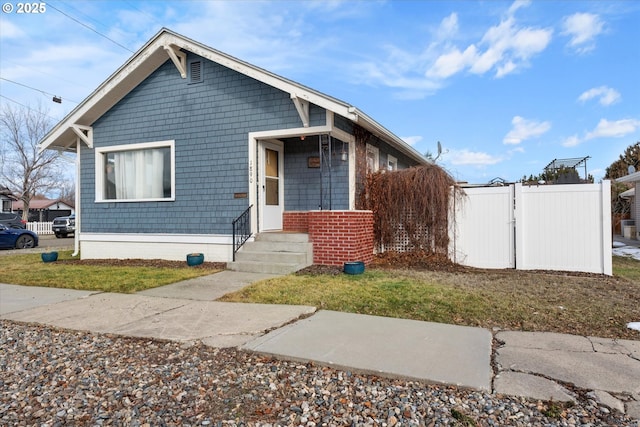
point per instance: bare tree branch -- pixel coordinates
(24, 170)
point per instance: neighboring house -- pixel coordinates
(182, 139)
(634, 179)
(44, 210)
(6, 200)
(630, 195)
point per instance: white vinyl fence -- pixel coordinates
(40, 227)
(549, 227)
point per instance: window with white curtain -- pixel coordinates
(137, 172)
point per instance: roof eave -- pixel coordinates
(139, 66)
(377, 129)
(632, 177)
(150, 56)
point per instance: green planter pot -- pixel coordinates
(356, 267)
(49, 256)
(195, 259)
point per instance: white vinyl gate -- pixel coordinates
(549, 227)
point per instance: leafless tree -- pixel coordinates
(25, 170)
(67, 192)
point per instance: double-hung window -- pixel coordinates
(136, 172)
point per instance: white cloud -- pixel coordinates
(525, 129)
(448, 27)
(275, 41)
(582, 28)
(471, 158)
(606, 95)
(517, 5)
(571, 141)
(605, 129)
(411, 140)
(10, 30)
(613, 129)
(504, 48)
(452, 63)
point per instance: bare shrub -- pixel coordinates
(410, 208)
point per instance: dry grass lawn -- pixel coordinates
(592, 305)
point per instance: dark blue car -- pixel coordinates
(17, 238)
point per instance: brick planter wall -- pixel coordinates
(295, 221)
(337, 236)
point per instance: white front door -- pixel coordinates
(271, 185)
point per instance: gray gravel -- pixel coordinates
(53, 377)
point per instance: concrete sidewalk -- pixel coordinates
(218, 324)
(403, 348)
(533, 365)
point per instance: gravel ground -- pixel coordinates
(53, 377)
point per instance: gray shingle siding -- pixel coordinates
(385, 149)
(302, 183)
(209, 122)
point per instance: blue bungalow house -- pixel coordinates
(183, 139)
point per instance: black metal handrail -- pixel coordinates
(241, 230)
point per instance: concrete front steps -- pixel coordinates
(274, 253)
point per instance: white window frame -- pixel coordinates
(392, 163)
(99, 169)
(376, 158)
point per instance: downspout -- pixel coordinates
(76, 234)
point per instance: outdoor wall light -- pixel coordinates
(343, 154)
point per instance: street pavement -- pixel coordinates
(545, 366)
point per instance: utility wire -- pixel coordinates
(88, 27)
(143, 12)
(37, 90)
(43, 73)
(28, 108)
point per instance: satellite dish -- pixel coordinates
(631, 169)
(439, 152)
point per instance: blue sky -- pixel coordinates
(506, 87)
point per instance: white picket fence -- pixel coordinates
(550, 227)
(40, 227)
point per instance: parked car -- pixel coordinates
(17, 238)
(12, 220)
(64, 225)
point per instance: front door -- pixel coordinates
(271, 185)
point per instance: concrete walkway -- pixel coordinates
(167, 315)
(403, 348)
(542, 366)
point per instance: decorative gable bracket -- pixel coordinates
(85, 133)
(179, 59)
(302, 105)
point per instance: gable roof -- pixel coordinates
(169, 45)
(41, 204)
(5, 192)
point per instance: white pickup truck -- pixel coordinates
(64, 225)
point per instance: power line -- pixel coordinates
(28, 108)
(88, 27)
(43, 73)
(143, 12)
(37, 90)
(98, 23)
